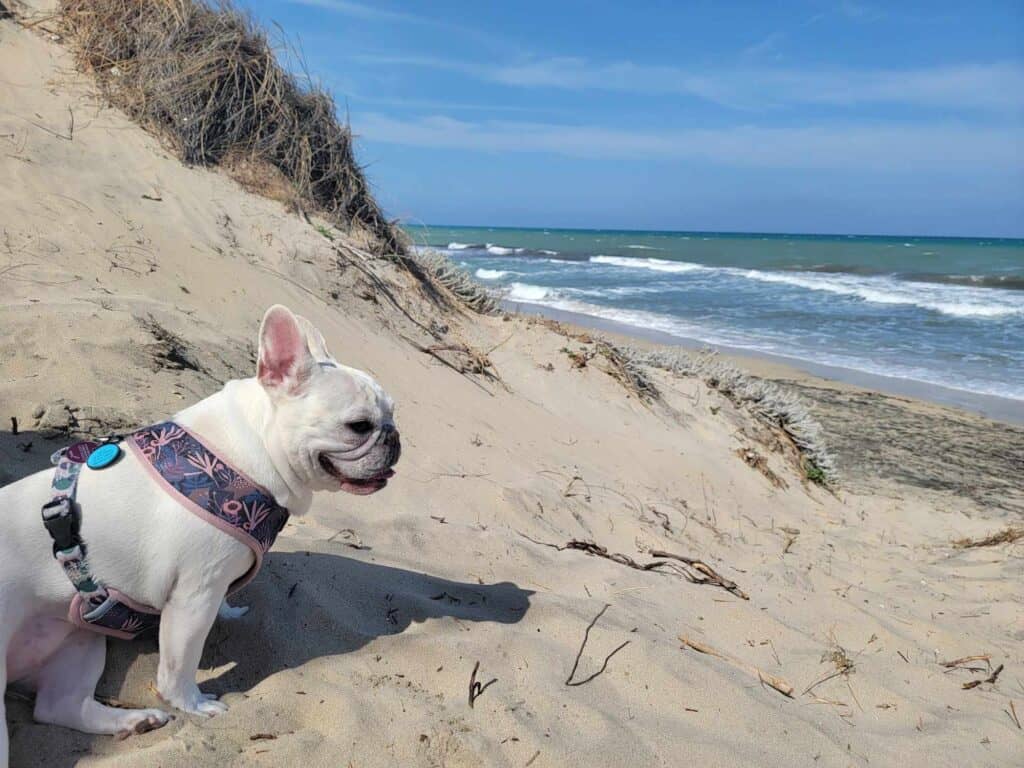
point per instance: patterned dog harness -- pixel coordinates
(195, 476)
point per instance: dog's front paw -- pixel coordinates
(232, 611)
(211, 705)
(140, 721)
(195, 702)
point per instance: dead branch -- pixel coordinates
(586, 636)
(694, 571)
(764, 678)
(709, 575)
(990, 679)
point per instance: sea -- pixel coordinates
(941, 311)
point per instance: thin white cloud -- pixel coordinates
(367, 12)
(364, 12)
(882, 147)
(997, 87)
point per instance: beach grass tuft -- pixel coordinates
(467, 291)
(207, 80)
(766, 399)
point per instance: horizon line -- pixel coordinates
(1017, 238)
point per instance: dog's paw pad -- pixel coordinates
(144, 721)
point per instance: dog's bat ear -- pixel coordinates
(285, 363)
(315, 341)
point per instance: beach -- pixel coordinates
(635, 564)
(890, 432)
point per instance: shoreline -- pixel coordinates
(786, 368)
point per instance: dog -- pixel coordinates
(304, 423)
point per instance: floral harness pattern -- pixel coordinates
(204, 484)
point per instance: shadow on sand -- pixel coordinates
(304, 606)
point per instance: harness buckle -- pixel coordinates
(61, 523)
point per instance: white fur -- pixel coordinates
(143, 542)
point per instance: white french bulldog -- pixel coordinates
(305, 423)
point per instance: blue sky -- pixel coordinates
(831, 116)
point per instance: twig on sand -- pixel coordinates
(586, 636)
(475, 362)
(990, 679)
(465, 372)
(475, 689)
(763, 677)
(1012, 714)
(708, 574)
(694, 571)
(1008, 535)
(843, 663)
(965, 661)
(71, 127)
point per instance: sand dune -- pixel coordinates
(133, 286)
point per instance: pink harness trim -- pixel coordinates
(213, 489)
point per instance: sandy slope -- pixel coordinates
(124, 308)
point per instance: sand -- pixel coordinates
(133, 286)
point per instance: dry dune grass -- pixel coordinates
(207, 80)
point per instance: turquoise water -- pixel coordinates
(947, 311)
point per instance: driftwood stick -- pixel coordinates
(763, 677)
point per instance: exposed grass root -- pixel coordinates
(1008, 535)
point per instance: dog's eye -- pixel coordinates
(360, 427)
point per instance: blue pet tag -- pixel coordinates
(103, 456)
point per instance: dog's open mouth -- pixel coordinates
(362, 487)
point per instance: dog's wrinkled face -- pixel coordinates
(334, 425)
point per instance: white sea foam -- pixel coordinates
(643, 248)
(952, 300)
(500, 250)
(657, 265)
(527, 292)
(619, 292)
(461, 246)
(491, 274)
(766, 342)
